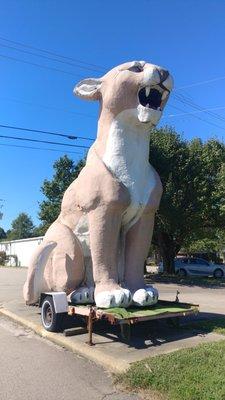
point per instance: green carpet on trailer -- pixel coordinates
(162, 307)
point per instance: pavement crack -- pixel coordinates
(108, 394)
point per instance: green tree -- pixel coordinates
(2, 234)
(39, 230)
(65, 171)
(22, 227)
(211, 241)
(193, 197)
(1, 214)
(211, 238)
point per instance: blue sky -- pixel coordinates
(185, 36)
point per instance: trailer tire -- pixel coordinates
(51, 321)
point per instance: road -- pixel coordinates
(32, 368)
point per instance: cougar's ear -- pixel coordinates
(88, 89)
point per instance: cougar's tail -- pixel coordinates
(34, 284)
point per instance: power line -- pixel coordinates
(48, 58)
(183, 99)
(47, 107)
(94, 65)
(201, 83)
(59, 70)
(52, 53)
(194, 112)
(91, 139)
(43, 141)
(45, 132)
(195, 116)
(40, 66)
(100, 67)
(40, 148)
(92, 116)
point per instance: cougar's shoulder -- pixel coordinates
(95, 186)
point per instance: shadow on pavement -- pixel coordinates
(154, 333)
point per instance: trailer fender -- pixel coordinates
(59, 299)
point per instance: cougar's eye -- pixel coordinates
(136, 68)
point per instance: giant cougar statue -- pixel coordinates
(95, 250)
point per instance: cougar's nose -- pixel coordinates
(152, 75)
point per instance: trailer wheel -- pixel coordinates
(51, 320)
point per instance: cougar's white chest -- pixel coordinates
(126, 155)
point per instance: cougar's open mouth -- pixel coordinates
(152, 97)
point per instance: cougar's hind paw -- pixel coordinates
(145, 297)
(127, 299)
(113, 298)
(84, 295)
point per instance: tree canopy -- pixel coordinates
(1, 214)
(22, 227)
(2, 234)
(193, 201)
(65, 171)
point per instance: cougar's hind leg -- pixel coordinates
(35, 282)
(65, 268)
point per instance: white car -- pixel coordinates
(196, 267)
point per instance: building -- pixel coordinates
(19, 251)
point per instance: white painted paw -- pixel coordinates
(83, 295)
(145, 297)
(127, 300)
(113, 298)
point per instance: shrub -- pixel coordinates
(2, 257)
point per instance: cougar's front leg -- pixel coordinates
(104, 228)
(137, 244)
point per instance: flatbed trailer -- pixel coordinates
(54, 307)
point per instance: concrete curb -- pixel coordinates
(108, 362)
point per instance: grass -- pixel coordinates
(191, 374)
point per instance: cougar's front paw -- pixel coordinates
(145, 297)
(113, 298)
(83, 295)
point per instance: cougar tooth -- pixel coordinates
(147, 91)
